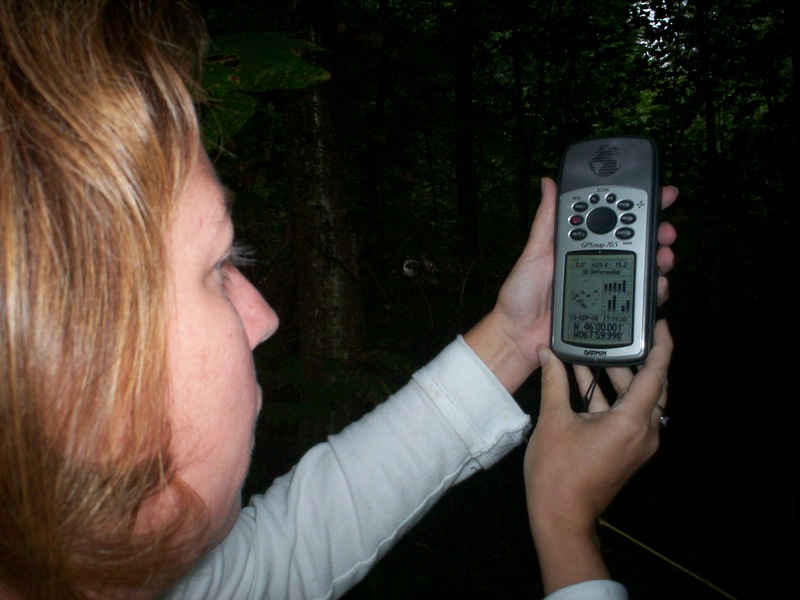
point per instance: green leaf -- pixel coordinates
(239, 65)
(259, 62)
(223, 119)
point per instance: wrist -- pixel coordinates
(495, 345)
(568, 553)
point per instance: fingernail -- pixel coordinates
(544, 355)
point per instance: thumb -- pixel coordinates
(555, 385)
(543, 227)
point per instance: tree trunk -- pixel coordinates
(325, 253)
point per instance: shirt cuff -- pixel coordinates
(481, 411)
(599, 589)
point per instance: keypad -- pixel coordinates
(601, 214)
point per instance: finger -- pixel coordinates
(663, 290)
(669, 193)
(665, 259)
(549, 188)
(667, 234)
(543, 228)
(620, 378)
(649, 385)
(660, 409)
(555, 385)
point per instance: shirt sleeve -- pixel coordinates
(319, 529)
(600, 589)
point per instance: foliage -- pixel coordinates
(237, 66)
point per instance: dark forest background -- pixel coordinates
(385, 156)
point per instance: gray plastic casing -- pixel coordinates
(627, 166)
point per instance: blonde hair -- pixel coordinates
(98, 134)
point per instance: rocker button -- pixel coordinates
(601, 220)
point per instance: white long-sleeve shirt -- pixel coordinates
(318, 530)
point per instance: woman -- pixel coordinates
(129, 395)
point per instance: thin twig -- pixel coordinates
(605, 523)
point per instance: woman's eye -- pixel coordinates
(222, 268)
(238, 255)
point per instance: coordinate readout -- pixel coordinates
(599, 299)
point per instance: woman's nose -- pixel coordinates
(257, 316)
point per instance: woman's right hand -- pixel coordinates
(576, 463)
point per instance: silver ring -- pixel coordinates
(663, 420)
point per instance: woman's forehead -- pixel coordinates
(203, 206)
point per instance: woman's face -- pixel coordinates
(216, 319)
